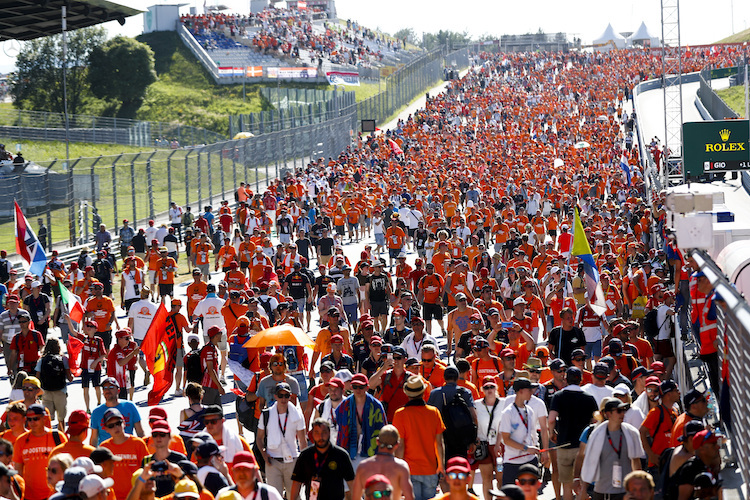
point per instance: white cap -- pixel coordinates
(519, 300)
(92, 484)
(344, 375)
(565, 226)
(621, 390)
(192, 336)
(36, 283)
(554, 269)
(87, 464)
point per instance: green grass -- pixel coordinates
(734, 97)
(742, 36)
(40, 151)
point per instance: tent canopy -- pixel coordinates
(641, 33)
(610, 35)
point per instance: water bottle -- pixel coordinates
(499, 465)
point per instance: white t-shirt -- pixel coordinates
(377, 225)
(599, 393)
(142, 313)
(540, 409)
(281, 443)
(519, 423)
(484, 431)
(665, 326)
(414, 348)
(210, 310)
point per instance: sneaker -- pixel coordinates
(178, 393)
(223, 381)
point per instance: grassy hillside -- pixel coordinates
(742, 36)
(734, 97)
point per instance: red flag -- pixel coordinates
(395, 148)
(160, 347)
(74, 350)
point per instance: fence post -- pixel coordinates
(187, 178)
(200, 183)
(235, 151)
(151, 188)
(132, 187)
(265, 155)
(277, 154)
(210, 179)
(221, 169)
(114, 191)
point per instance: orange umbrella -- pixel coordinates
(280, 335)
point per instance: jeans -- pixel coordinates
(425, 487)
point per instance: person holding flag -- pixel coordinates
(582, 250)
(160, 349)
(28, 245)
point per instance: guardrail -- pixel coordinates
(714, 104)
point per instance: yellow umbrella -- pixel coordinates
(280, 335)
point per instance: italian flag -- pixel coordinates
(72, 303)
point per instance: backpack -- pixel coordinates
(266, 304)
(52, 373)
(193, 367)
(458, 420)
(650, 325)
(4, 271)
(246, 413)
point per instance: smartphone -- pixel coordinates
(390, 356)
(506, 324)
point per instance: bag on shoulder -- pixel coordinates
(193, 367)
(52, 373)
(458, 420)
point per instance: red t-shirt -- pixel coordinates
(93, 349)
(209, 353)
(28, 347)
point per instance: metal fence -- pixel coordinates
(714, 104)
(137, 186)
(409, 82)
(734, 329)
(288, 115)
(45, 126)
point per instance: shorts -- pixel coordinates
(351, 313)
(411, 232)
(339, 230)
(179, 359)
(594, 349)
(166, 289)
(380, 239)
(300, 304)
(664, 348)
(309, 306)
(244, 265)
(566, 458)
(106, 338)
(204, 269)
(353, 227)
(223, 346)
(552, 232)
(432, 311)
(378, 308)
(394, 252)
(91, 377)
(302, 381)
(152, 278)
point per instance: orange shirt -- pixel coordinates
(102, 310)
(75, 448)
(395, 237)
(231, 313)
(227, 254)
(247, 250)
(432, 287)
(195, 293)
(33, 452)
(661, 434)
(419, 426)
(435, 375)
(236, 280)
(132, 453)
(202, 253)
(153, 257)
(167, 268)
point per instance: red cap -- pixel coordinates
(157, 413)
(399, 312)
(375, 340)
(78, 422)
(489, 380)
(458, 464)
(244, 459)
(360, 378)
(707, 436)
(653, 381)
(337, 339)
(377, 478)
(214, 330)
(125, 332)
(161, 426)
(657, 367)
(337, 382)
(507, 352)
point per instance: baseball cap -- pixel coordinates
(573, 375)
(281, 387)
(653, 380)
(244, 459)
(557, 364)
(36, 409)
(657, 367)
(507, 352)
(522, 383)
(509, 491)
(705, 436)
(690, 429)
(92, 485)
(488, 381)
(335, 382)
(377, 478)
(111, 381)
(186, 488)
(161, 426)
(668, 386)
(621, 390)
(360, 378)
(208, 449)
(519, 301)
(102, 454)
(337, 339)
(460, 296)
(615, 347)
(71, 480)
(529, 469)
(601, 370)
(638, 372)
(693, 396)
(614, 404)
(88, 465)
(458, 464)
(78, 422)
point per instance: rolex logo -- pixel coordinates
(724, 134)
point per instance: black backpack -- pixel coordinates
(193, 367)
(266, 304)
(458, 420)
(52, 373)
(4, 271)
(650, 325)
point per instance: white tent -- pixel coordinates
(642, 36)
(608, 38)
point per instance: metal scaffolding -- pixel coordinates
(671, 63)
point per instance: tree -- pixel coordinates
(122, 69)
(39, 82)
(450, 38)
(406, 34)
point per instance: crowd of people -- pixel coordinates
(286, 31)
(463, 337)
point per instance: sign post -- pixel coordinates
(715, 146)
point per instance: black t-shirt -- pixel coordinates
(297, 283)
(575, 409)
(396, 337)
(371, 366)
(420, 238)
(326, 245)
(331, 469)
(564, 342)
(303, 247)
(345, 361)
(378, 288)
(214, 482)
(36, 306)
(321, 282)
(316, 230)
(103, 270)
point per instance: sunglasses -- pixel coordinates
(457, 475)
(622, 410)
(110, 387)
(476, 322)
(523, 482)
(397, 358)
(160, 434)
(428, 360)
(377, 494)
(368, 328)
(535, 370)
(29, 389)
(358, 387)
(653, 390)
(512, 358)
(277, 363)
(211, 421)
(579, 359)
(326, 370)
(284, 396)
(112, 426)
(33, 419)
(461, 300)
